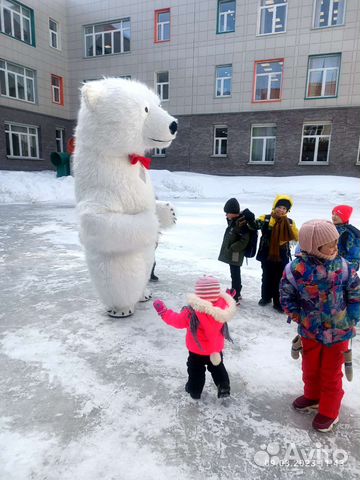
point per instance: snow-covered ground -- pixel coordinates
(84, 397)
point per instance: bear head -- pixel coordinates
(125, 116)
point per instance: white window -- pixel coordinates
(162, 85)
(22, 141)
(329, 13)
(54, 34)
(16, 20)
(272, 16)
(159, 152)
(59, 138)
(226, 16)
(220, 141)
(107, 38)
(315, 143)
(268, 80)
(323, 75)
(17, 82)
(162, 25)
(263, 142)
(223, 80)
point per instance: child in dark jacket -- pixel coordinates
(235, 242)
(320, 291)
(349, 240)
(205, 318)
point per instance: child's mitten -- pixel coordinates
(215, 358)
(296, 347)
(231, 292)
(348, 365)
(160, 307)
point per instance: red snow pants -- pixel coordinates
(322, 374)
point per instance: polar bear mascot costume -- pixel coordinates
(118, 120)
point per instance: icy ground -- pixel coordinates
(84, 397)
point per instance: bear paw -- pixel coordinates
(147, 295)
(120, 312)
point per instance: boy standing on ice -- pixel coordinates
(205, 318)
(320, 291)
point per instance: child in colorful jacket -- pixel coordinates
(349, 241)
(205, 318)
(320, 291)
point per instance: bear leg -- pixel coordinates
(121, 312)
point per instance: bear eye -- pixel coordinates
(146, 109)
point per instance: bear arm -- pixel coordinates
(111, 232)
(166, 214)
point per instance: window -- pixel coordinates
(272, 16)
(315, 143)
(54, 37)
(323, 75)
(226, 16)
(59, 138)
(220, 141)
(329, 13)
(17, 82)
(159, 152)
(268, 80)
(223, 81)
(57, 90)
(107, 38)
(162, 25)
(263, 141)
(17, 21)
(162, 85)
(21, 141)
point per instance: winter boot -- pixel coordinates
(322, 423)
(194, 396)
(303, 404)
(262, 302)
(223, 391)
(296, 347)
(348, 365)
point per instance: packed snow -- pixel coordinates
(85, 397)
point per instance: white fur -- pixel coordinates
(218, 313)
(166, 214)
(115, 200)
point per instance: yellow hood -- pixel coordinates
(283, 197)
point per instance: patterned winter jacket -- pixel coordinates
(326, 300)
(212, 317)
(349, 245)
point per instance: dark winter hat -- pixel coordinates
(283, 202)
(344, 212)
(232, 206)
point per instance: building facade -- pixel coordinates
(260, 87)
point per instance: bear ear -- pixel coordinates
(92, 92)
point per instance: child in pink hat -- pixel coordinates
(320, 291)
(349, 240)
(205, 318)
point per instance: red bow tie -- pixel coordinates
(146, 162)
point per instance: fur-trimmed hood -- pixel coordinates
(221, 313)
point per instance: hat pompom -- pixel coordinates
(208, 288)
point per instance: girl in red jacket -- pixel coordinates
(205, 318)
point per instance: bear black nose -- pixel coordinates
(173, 127)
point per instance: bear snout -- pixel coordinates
(173, 127)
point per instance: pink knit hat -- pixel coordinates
(316, 233)
(208, 288)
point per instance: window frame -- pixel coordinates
(221, 139)
(263, 7)
(25, 77)
(93, 36)
(330, 11)
(315, 162)
(323, 86)
(263, 161)
(23, 17)
(229, 65)
(59, 87)
(8, 132)
(57, 35)
(161, 85)
(268, 100)
(60, 139)
(218, 32)
(156, 24)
